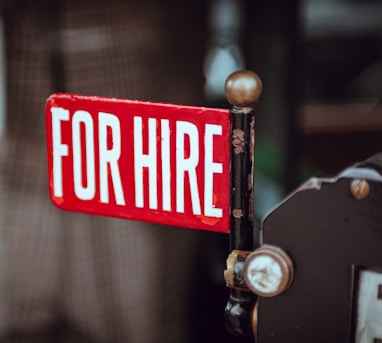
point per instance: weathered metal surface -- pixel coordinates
(242, 90)
(233, 275)
(329, 233)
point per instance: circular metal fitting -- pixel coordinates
(359, 188)
(268, 271)
(243, 88)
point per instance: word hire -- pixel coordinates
(154, 162)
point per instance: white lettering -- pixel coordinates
(142, 160)
(110, 157)
(150, 144)
(166, 167)
(210, 168)
(189, 164)
(59, 150)
(88, 192)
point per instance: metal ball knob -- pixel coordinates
(243, 88)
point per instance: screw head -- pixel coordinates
(243, 88)
(359, 188)
(268, 271)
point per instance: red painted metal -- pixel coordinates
(153, 162)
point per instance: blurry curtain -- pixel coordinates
(73, 277)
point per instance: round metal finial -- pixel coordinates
(243, 88)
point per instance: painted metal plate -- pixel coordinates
(153, 162)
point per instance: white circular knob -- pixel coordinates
(268, 271)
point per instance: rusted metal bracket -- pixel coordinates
(233, 275)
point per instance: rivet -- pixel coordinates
(237, 213)
(238, 141)
(359, 188)
(268, 271)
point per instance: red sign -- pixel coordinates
(144, 161)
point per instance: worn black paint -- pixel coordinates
(240, 304)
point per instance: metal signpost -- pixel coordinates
(169, 164)
(243, 90)
(312, 272)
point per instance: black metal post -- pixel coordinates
(243, 89)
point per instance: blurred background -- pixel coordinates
(77, 278)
